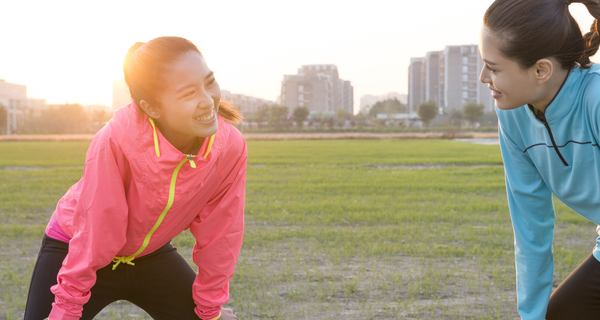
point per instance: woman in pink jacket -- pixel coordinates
(170, 161)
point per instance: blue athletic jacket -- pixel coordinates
(554, 153)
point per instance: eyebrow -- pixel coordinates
(209, 78)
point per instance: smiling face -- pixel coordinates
(187, 104)
(511, 85)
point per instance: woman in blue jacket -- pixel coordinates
(547, 94)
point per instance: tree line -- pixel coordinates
(57, 119)
(74, 118)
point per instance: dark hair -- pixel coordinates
(530, 30)
(145, 63)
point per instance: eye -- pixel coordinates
(489, 68)
(190, 93)
(211, 82)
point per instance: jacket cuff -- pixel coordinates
(58, 313)
(211, 314)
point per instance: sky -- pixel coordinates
(72, 51)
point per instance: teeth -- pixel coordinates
(206, 117)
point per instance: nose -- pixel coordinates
(484, 76)
(205, 101)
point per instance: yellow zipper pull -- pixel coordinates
(190, 158)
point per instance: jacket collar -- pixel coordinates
(564, 100)
(162, 146)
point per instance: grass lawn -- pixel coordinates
(352, 229)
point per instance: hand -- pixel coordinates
(227, 314)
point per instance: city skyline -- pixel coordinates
(319, 89)
(449, 78)
(68, 51)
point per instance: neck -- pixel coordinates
(185, 144)
(552, 89)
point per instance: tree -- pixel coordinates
(275, 116)
(300, 114)
(98, 118)
(473, 112)
(58, 119)
(489, 119)
(361, 120)
(278, 117)
(262, 116)
(456, 117)
(388, 106)
(3, 118)
(427, 111)
(343, 117)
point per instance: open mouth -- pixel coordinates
(206, 117)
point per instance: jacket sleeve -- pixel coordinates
(532, 215)
(218, 231)
(100, 226)
(591, 99)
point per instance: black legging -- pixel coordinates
(160, 283)
(578, 296)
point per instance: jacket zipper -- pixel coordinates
(554, 142)
(542, 117)
(129, 259)
(188, 158)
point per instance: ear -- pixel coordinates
(544, 69)
(150, 109)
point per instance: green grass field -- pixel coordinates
(351, 229)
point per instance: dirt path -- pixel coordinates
(289, 136)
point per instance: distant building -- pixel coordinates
(463, 65)
(434, 77)
(450, 78)
(318, 88)
(416, 83)
(248, 105)
(347, 97)
(13, 97)
(366, 102)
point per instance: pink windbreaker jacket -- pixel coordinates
(137, 192)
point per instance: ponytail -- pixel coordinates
(228, 111)
(592, 42)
